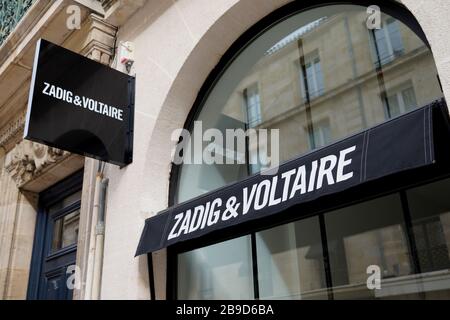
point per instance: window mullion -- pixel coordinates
(254, 266)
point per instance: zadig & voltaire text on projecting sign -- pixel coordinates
(80, 105)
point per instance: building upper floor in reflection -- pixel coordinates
(334, 77)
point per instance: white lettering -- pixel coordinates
(205, 216)
(312, 176)
(214, 214)
(261, 202)
(299, 182)
(45, 91)
(272, 200)
(196, 218)
(85, 102)
(340, 176)
(266, 192)
(287, 179)
(326, 171)
(172, 233)
(248, 199)
(184, 228)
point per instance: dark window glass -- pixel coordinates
(65, 224)
(65, 230)
(370, 233)
(389, 44)
(220, 271)
(67, 201)
(253, 104)
(405, 235)
(290, 261)
(429, 207)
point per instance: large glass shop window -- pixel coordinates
(405, 235)
(317, 76)
(220, 271)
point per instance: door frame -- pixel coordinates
(47, 198)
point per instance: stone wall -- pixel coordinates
(177, 44)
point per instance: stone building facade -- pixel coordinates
(177, 45)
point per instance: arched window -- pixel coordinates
(319, 75)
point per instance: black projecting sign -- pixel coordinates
(403, 143)
(79, 105)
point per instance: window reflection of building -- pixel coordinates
(65, 231)
(334, 59)
(330, 78)
(401, 101)
(336, 53)
(388, 42)
(221, 271)
(290, 257)
(313, 79)
(320, 135)
(253, 105)
(65, 227)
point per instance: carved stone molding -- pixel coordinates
(117, 12)
(9, 136)
(99, 44)
(29, 160)
(107, 3)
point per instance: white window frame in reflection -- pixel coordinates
(253, 105)
(320, 137)
(399, 97)
(314, 77)
(389, 30)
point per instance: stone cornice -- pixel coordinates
(28, 160)
(106, 4)
(101, 40)
(117, 12)
(12, 134)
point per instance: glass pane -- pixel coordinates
(394, 106)
(382, 46)
(430, 213)
(253, 106)
(330, 50)
(409, 99)
(319, 78)
(310, 78)
(290, 262)
(371, 233)
(65, 202)
(322, 134)
(220, 271)
(65, 230)
(395, 36)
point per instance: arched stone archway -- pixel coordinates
(167, 88)
(205, 55)
(433, 19)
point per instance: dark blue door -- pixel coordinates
(55, 245)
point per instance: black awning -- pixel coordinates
(404, 143)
